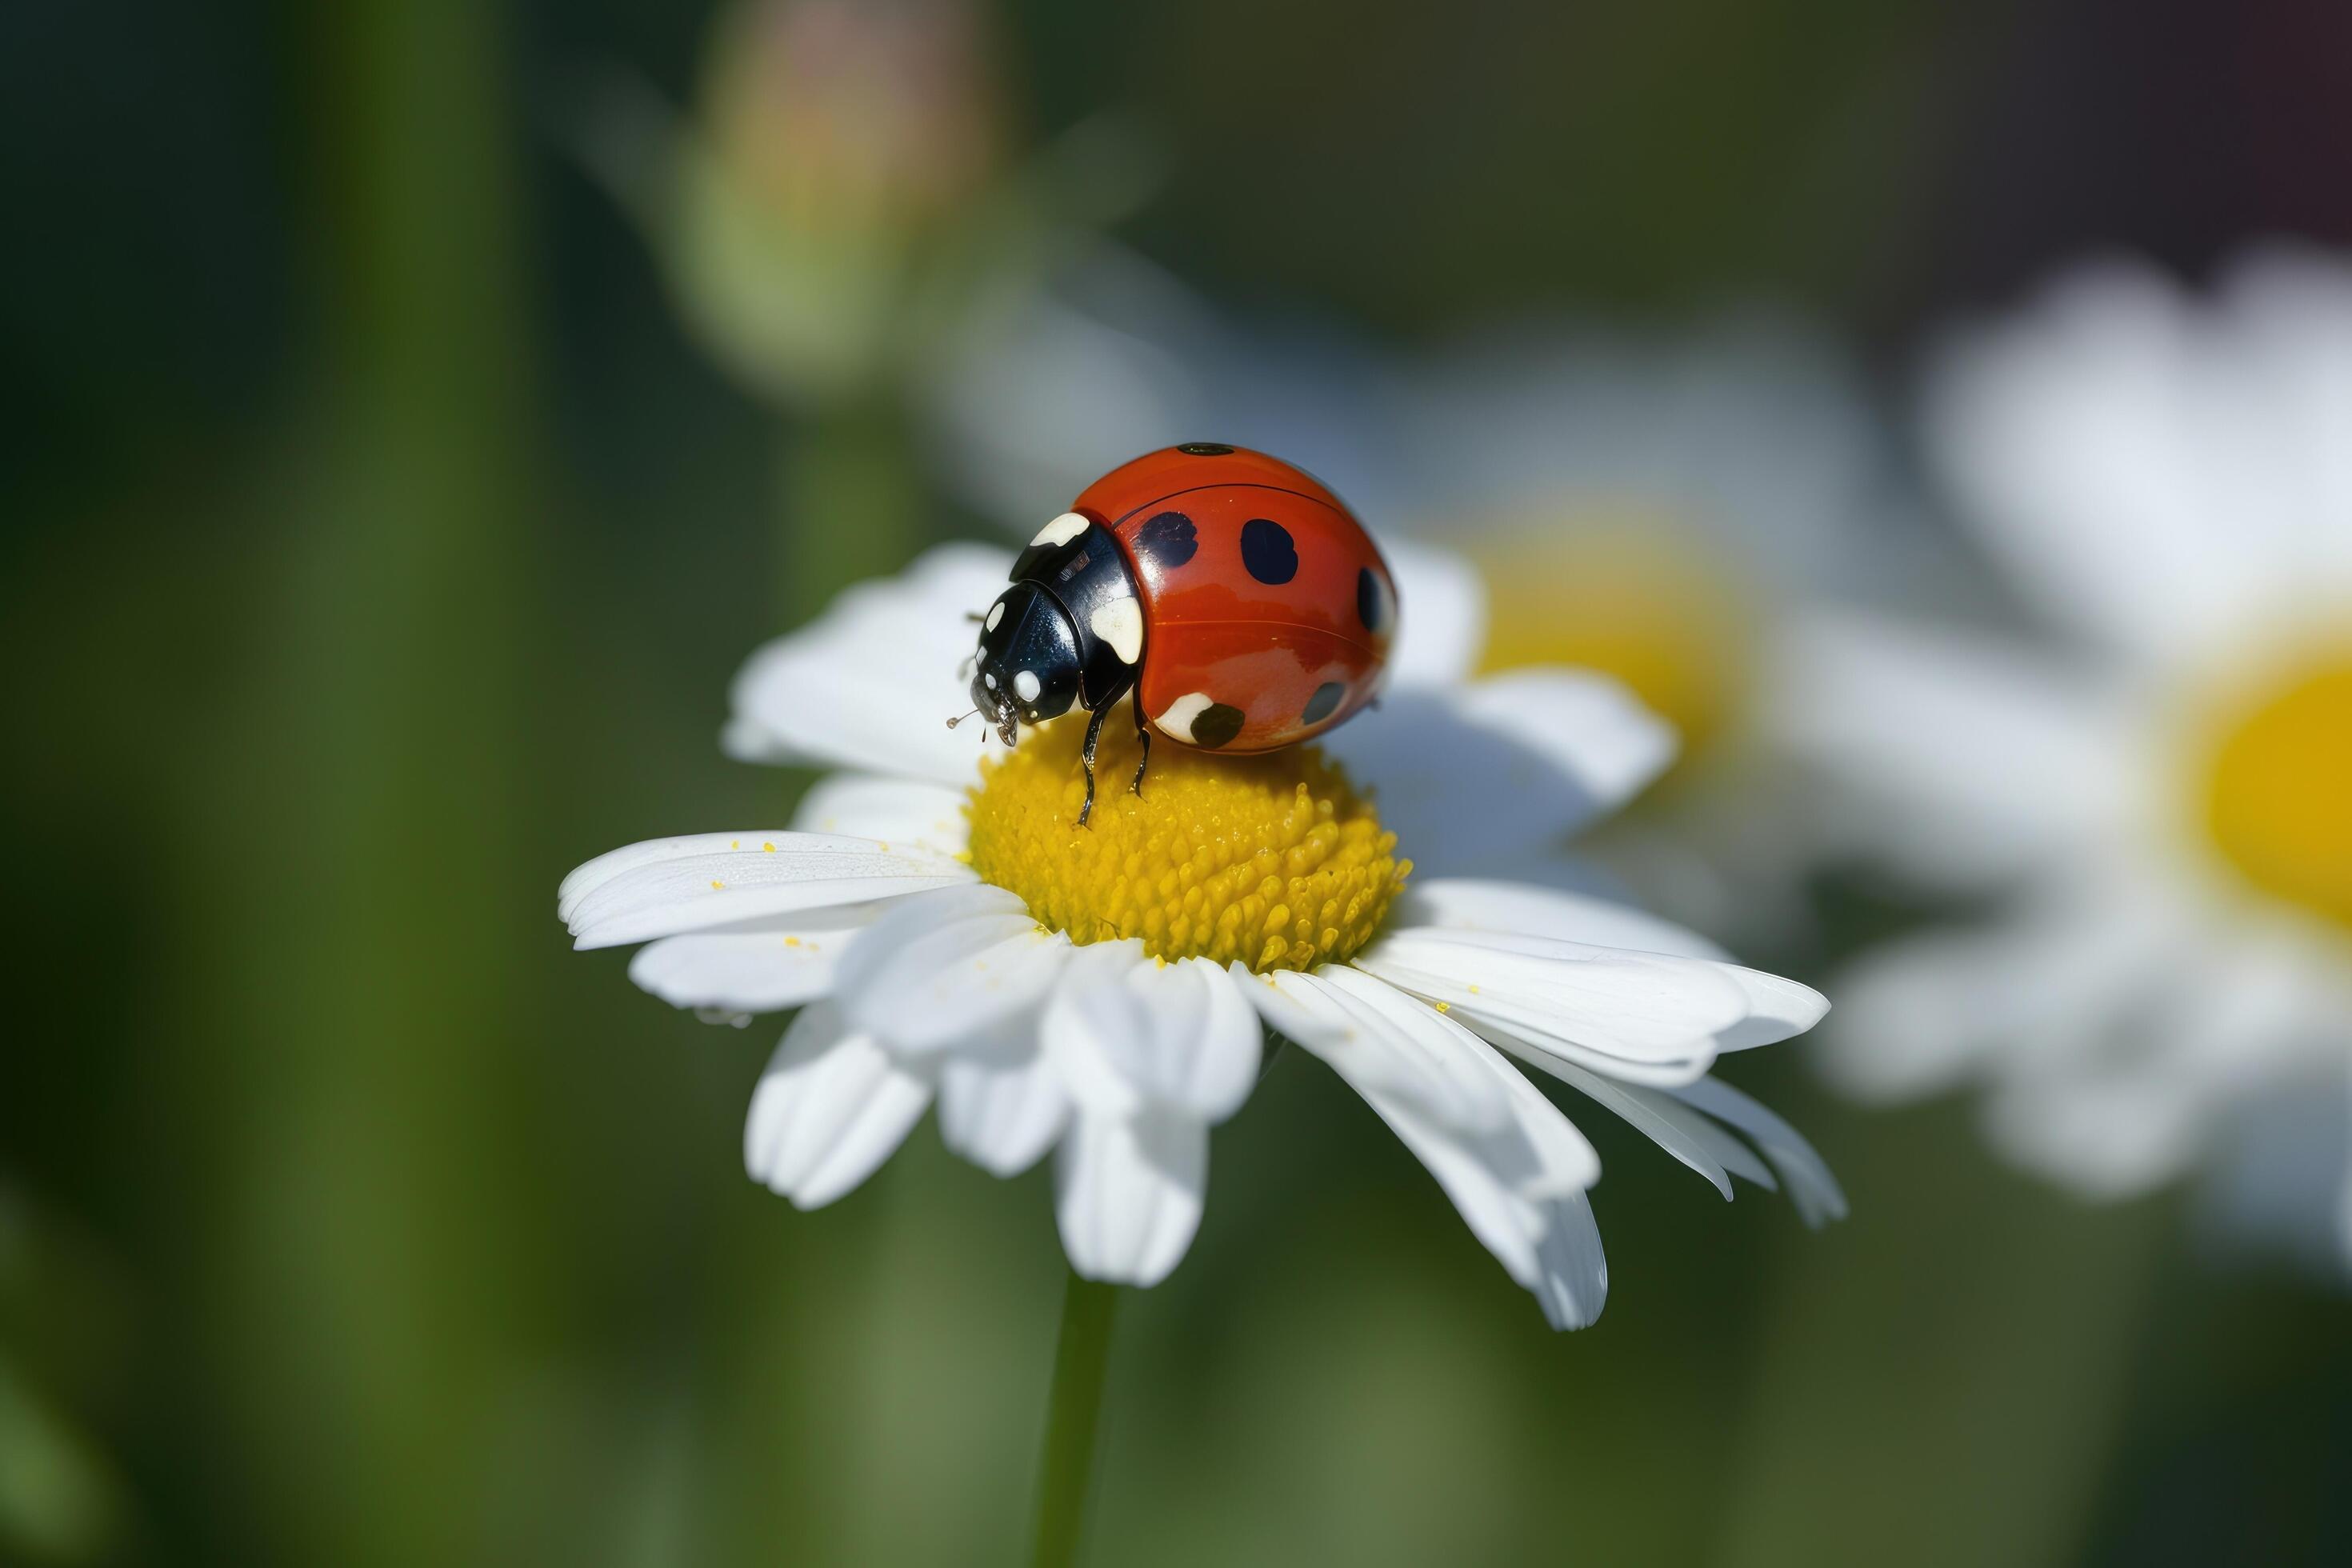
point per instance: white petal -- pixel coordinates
(1573, 1282)
(589, 876)
(1645, 1016)
(1465, 904)
(1590, 725)
(943, 968)
(1129, 1194)
(1382, 1044)
(831, 1107)
(872, 682)
(2291, 308)
(665, 886)
(2065, 436)
(1441, 614)
(1002, 1103)
(1923, 1012)
(1129, 1032)
(1092, 1027)
(1472, 776)
(1811, 1186)
(1505, 1223)
(2281, 1177)
(2101, 1136)
(1673, 1126)
(2161, 471)
(1511, 1183)
(2013, 759)
(1777, 1009)
(1199, 1003)
(743, 971)
(1556, 1160)
(2142, 1084)
(896, 812)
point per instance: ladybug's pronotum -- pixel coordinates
(1234, 595)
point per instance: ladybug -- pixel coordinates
(1233, 594)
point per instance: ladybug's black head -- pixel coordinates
(1027, 667)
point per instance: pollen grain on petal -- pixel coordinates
(1275, 861)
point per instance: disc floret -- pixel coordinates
(1275, 861)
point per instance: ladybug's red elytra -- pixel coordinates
(1233, 594)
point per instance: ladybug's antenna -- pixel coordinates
(960, 718)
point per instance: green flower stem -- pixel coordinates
(1073, 1416)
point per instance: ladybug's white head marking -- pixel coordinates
(1061, 531)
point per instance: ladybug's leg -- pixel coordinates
(1143, 734)
(1094, 734)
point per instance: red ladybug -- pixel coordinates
(1238, 598)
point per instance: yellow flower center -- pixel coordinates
(1274, 860)
(2278, 799)
(1632, 597)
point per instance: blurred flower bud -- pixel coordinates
(840, 146)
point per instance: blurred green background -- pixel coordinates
(376, 542)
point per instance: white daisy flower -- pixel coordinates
(952, 940)
(2162, 789)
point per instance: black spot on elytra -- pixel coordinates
(1267, 552)
(1324, 703)
(1205, 449)
(1371, 601)
(1216, 725)
(1170, 539)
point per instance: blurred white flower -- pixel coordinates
(2160, 791)
(1651, 505)
(951, 939)
(1645, 505)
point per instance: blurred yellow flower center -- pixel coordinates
(1631, 595)
(2279, 799)
(1275, 861)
